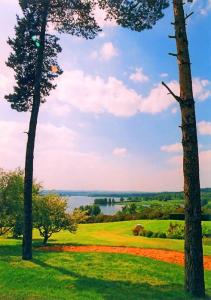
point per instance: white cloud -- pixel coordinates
(102, 34)
(60, 163)
(58, 111)
(100, 16)
(164, 75)
(204, 128)
(158, 100)
(201, 88)
(139, 76)
(121, 152)
(6, 84)
(93, 94)
(204, 162)
(83, 124)
(106, 52)
(206, 9)
(13, 141)
(201, 6)
(172, 148)
(94, 54)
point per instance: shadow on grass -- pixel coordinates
(120, 290)
(40, 245)
(16, 249)
(9, 250)
(107, 289)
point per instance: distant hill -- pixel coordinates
(119, 193)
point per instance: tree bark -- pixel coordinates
(45, 239)
(194, 272)
(28, 180)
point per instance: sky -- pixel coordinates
(110, 124)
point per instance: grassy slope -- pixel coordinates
(88, 276)
(94, 276)
(120, 234)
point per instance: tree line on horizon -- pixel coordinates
(34, 61)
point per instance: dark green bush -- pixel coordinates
(148, 233)
(206, 232)
(176, 231)
(161, 235)
(155, 234)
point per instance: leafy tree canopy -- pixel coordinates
(135, 14)
(50, 216)
(11, 201)
(64, 16)
(67, 16)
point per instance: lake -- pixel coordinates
(76, 201)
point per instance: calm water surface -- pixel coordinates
(76, 201)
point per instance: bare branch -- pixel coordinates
(172, 36)
(172, 93)
(190, 14)
(173, 54)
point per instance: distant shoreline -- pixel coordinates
(70, 193)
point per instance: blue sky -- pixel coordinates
(110, 124)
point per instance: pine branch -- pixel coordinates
(173, 54)
(190, 14)
(177, 98)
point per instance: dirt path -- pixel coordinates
(162, 255)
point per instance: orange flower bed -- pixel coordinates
(169, 256)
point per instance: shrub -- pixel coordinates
(155, 234)
(176, 231)
(161, 235)
(148, 233)
(138, 230)
(91, 210)
(206, 232)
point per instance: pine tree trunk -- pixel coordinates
(194, 272)
(28, 180)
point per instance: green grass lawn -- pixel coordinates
(120, 234)
(170, 203)
(94, 276)
(88, 276)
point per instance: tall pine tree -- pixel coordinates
(143, 14)
(34, 60)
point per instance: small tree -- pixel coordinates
(11, 198)
(90, 210)
(50, 216)
(11, 201)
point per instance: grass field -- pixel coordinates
(88, 276)
(94, 276)
(120, 234)
(170, 203)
